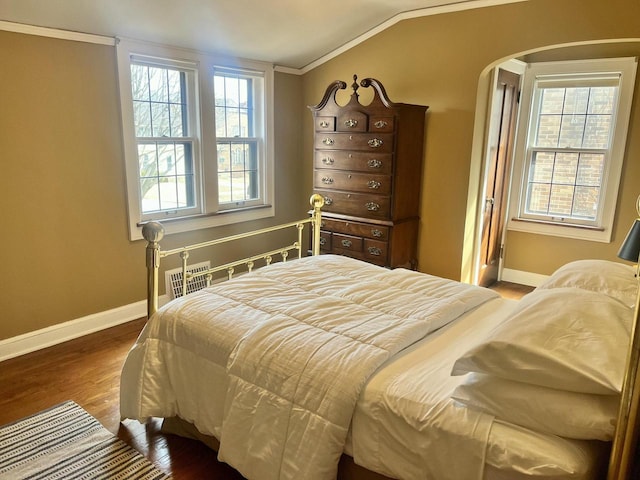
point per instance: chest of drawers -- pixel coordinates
(367, 166)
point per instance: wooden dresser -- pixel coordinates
(367, 166)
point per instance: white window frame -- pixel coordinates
(601, 230)
(208, 213)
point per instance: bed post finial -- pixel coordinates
(316, 201)
(152, 233)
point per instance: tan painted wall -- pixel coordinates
(64, 247)
(438, 61)
(63, 176)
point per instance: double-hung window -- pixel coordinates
(197, 137)
(570, 147)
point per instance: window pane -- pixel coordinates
(158, 84)
(576, 101)
(142, 118)
(175, 87)
(176, 113)
(565, 168)
(552, 101)
(147, 160)
(538, 198)
(561, 200)
(149, 187)
(224, 187)
(597, 131)
(571, 131)
(160, 124)
(590, 169)
(586, 202)
(140, 82)
(601, 100)
(548, 131)
(542, 167)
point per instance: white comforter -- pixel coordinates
(298, 341)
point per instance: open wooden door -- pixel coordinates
(504, 112)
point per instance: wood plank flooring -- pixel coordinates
(87, 370)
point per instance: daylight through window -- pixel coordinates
(570, 147)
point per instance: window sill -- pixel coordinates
(578, 232)
(199, 222)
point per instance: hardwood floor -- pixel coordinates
(87, 371)
(511, 290)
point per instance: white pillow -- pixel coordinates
(564, 338)
(546, 410)
(611, 278)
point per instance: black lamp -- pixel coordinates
(625, 440)
(630, 248)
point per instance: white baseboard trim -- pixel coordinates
(523, 278)
(55, 334)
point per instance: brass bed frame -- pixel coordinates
(153, 232)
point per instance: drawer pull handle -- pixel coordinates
(376, 233)
(328, 200)
(372, 207)
(328, 141)
(374, 251)
(373, 184)
(324, 124)
(375, 143)
(351, 123)
(347, 243)
(380, 124)
(327, 161)
(374, 163)
(323, 241)
(327, 180)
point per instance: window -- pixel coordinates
(198, 146)
(238, 141)
(570, 148)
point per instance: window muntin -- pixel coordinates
(570, 147)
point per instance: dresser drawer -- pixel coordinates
(381, 163)
(375, 251)
(346, 242)
(365, 230)
(352, 121)
(353, 182)
(356, 204)
(325, 124)
(378, 142)
(381, 124)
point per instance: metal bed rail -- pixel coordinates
(153, 232)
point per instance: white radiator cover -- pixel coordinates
(173, 280)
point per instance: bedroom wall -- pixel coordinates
(65, 250)
(437, 61)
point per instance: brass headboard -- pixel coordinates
(153, 232)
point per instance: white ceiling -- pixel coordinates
(288, 33)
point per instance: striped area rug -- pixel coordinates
(65, 442)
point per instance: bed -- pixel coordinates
(324, 367)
